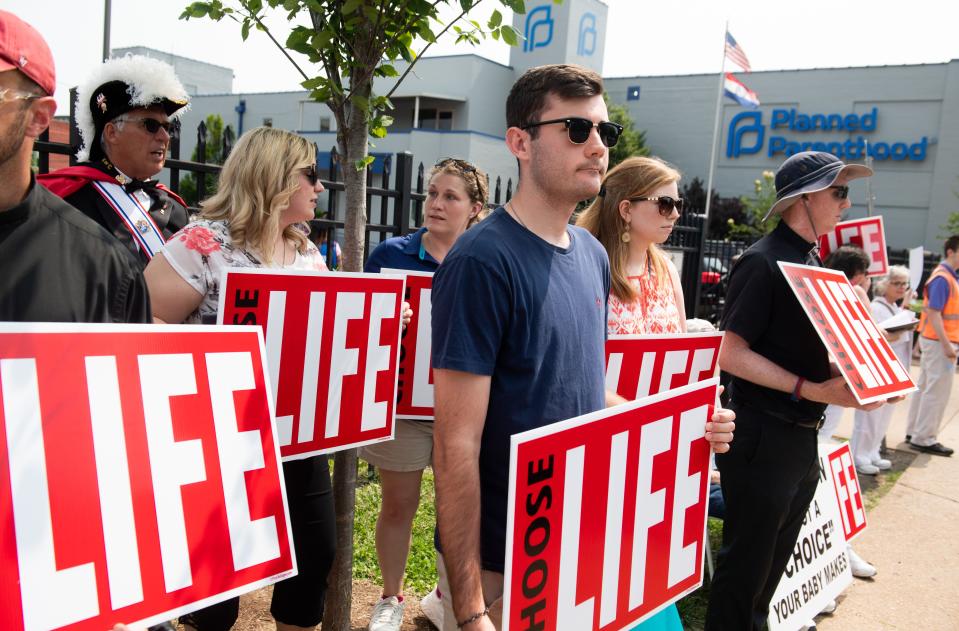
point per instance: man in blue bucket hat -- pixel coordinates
(782, 382)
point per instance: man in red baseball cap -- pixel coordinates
(59, 266)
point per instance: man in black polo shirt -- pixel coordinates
(782, 382)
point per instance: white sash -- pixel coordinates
(133, 210)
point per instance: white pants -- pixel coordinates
(867, 434)
(935, 384)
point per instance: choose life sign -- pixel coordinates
(867, 233)
(332, 342)
(607, 513)
(845, 326)
(141, 475)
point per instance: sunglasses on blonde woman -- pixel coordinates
(665, 202)
(311, 174)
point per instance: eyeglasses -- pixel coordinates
(579, 129)
(840, 191)
(9, 94)
(899, 283)
(666, 203)
(311, 174)
(152, 125)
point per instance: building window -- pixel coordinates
(324, 123)
(268, 122)
(431, 118)
(632, 93)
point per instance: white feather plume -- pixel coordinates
(149, 80)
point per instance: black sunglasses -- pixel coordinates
(152, 125)
(579, 129)
(840, 191)
(311, 174)
(665, 202)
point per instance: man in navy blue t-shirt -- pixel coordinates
(519, 326)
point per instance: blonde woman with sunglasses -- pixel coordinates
(636, 210)
(267, 191)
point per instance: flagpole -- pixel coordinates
(712, 153)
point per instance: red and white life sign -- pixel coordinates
(414, 389)
(846, 327)
(640, 365)
(607, 513)
(867, 234)
(332, 342)
(141, 477)
(842, 472)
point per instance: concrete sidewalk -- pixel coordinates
(912, 537)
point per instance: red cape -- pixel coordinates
(66, 182)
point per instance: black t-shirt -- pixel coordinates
(763, 310)
(59, 266)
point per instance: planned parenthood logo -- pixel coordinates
(539, 28)
(747, 135)
(586, 45)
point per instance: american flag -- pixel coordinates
(735, 53)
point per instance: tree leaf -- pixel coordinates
(363, 163)
(510, 36)
(245, 29)
(495, 19)
(350, 6)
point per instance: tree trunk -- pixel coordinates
(340, 593)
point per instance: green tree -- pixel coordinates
(632, 142)
(348, 45)
(213, 154)
(756, 207)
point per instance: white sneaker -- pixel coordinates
(867, 469)
(387, 614)
(809, 626)
(882, 464)
(830, 607)
(860, 568)
(432, 606)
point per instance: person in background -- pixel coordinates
(455, 200)
(853, 262)
(58, 266)
(268, 188)
(128, 109)
(635, 211)
(320, 236)
(870, 427)
(938, 340)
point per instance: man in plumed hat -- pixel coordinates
(127, 112)
(782, 382)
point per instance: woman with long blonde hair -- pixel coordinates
(267, 189)
(636, 210)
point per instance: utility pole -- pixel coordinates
(106, 29)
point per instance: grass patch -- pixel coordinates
(885, 482)
(421, 566)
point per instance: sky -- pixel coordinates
(643, 37)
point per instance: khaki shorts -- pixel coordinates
(410, 450)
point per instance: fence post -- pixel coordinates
(201, 136)
(692, 269)
(404, 190)
(228, 138)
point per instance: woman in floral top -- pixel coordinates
(636, 209)
(268, 187)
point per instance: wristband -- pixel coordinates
(795, 396)
(472, 619)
